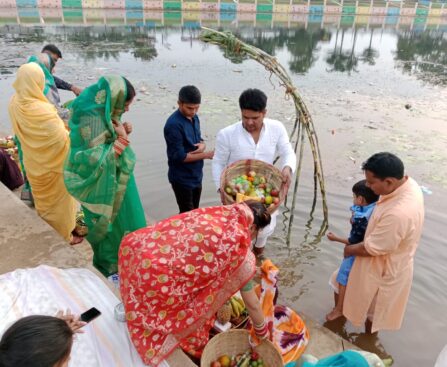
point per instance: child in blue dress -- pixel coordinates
(364, 202)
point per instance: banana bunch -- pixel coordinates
(237, 306)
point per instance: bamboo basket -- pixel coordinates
(242, 167)
(235, 342)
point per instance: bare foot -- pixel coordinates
(76, 240)
(334, 314)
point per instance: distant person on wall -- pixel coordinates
(186, 150)
(381, 277)
(55, 55)
(364, 200)
(255, 137)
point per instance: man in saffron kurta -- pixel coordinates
(380, 281)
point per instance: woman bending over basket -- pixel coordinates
(177, 273)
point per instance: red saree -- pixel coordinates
(176, 274)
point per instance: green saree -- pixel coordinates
(101, 181)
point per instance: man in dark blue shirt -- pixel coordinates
(55, 55)
(186, 150)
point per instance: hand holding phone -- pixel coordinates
(72, 321)
(90, 315)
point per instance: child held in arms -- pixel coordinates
(364, 202)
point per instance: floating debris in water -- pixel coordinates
(426, 190)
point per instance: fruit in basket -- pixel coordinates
(224, 361)
(237, 306)
(253, 186)
(224, 313)
(215, 364)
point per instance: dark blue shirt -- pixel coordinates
(181, 134)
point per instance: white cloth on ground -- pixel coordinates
(45, 290)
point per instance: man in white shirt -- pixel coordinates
(255, 137)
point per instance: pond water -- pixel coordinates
(356, 82)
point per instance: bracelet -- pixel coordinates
(259, 326)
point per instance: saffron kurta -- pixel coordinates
(391, 239)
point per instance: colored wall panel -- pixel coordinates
(189, 5)
(281, 8)
(264, 8)
(92, 4)
(26, 3)
(134, 4)
(153, 4)
(72, 4)
(7, 4)
(172, 5)
(421, 12)
(246, 8)
(316, 9)
(435, 12)
(348, 10)
(333, 9)
(363, 10)
(299, 8)
(116, 4)
(408, 11)
(393, 11)
(209, 6)
(48, 4)
(379, 11)
(228, 7)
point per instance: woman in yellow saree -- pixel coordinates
(45, 145)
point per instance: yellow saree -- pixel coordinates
(45, 145)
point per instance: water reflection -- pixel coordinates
(341, 60)
(422, 54)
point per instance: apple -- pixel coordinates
(274, 192)
(276, 201)
(216, 364)
(252, 174)
(268, 200)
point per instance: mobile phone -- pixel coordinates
(90, 315)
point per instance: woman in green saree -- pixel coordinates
(99, 169)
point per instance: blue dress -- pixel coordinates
(360, 217)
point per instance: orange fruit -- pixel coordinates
(225, 361)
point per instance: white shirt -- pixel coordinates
(234, 143)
